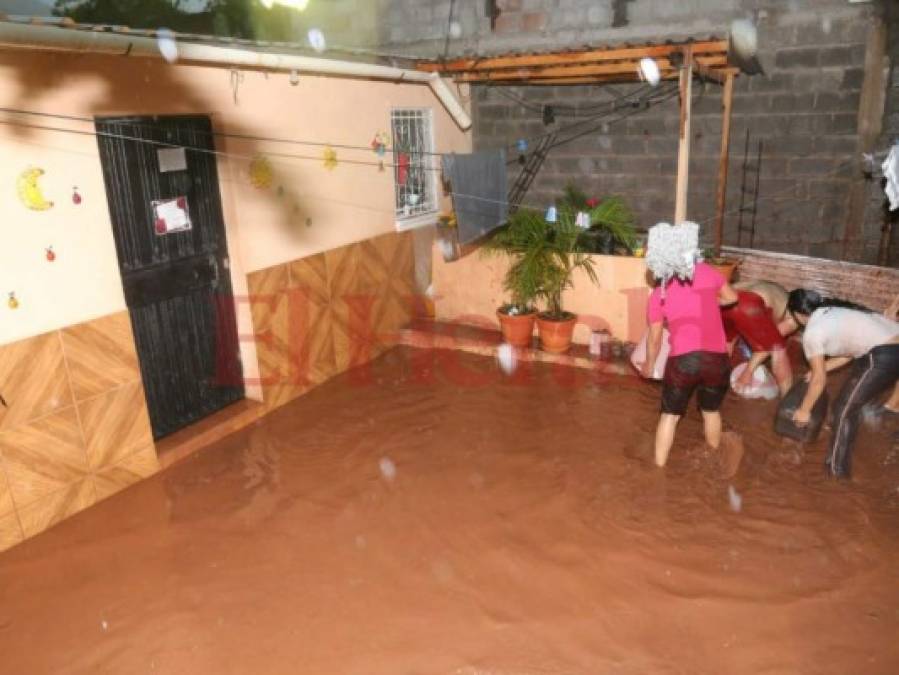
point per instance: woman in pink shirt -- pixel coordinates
(688, 300)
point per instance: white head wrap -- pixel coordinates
(672, 250)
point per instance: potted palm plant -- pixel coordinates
(518, 240)
(558, 256)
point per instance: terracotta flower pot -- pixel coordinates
(555, 334)
(725, 266)
(518, 329)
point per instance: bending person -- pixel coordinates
(688, 299)
(838, 333)
(760, 318)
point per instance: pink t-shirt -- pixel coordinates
(691, 311)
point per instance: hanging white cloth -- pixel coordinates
(891, 173)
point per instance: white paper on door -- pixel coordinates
(171, 215)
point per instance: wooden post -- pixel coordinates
(683, 152)
(870, 122)
(726, 101)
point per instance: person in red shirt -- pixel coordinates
(688, 299)
(760, 318)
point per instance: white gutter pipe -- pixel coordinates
(55, 38)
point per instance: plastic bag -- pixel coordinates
(763, 383)
(638, 356)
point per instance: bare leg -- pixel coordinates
(893, 402)
(665, 437)
(711, 422)
(783, 371)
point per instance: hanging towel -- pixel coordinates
(891, 173)
(479, 188)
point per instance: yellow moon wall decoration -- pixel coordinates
(30, 191)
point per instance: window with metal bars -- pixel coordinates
(413, 160)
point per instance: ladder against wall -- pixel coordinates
(749, 194)
(533, 163)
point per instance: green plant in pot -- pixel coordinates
(518, 240)
(559, 258)
(611, 221)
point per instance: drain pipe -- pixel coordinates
(57, 38)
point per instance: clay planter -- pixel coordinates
(517, 328)
(725, 266)
(555, 335)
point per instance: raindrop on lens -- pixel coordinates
(168, 47)
(505, 356)
(649, 70)
(316, 39)
(388, 468)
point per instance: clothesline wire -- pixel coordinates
(291, 141)
(234, 155)
(228, 155)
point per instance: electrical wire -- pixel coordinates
(265, 139)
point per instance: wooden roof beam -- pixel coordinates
(625, 67)
(572, 58)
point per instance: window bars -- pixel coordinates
(413, 171)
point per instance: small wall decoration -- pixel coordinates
(51, 254)
(379, 146)
(30, 191)
(13, 302)
(261, 173)
(171, 215)
(76, 196)
(330, 158)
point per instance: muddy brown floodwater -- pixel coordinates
(426, 522)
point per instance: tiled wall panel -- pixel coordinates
(76, 430)
(326, 313)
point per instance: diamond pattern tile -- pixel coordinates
(33, 379)
(100, 355)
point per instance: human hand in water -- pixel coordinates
(801, 417)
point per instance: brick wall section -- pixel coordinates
(804, 110)
(872, 286)
(877, 212)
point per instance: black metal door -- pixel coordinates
(177, 284)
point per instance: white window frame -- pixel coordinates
(428, 217)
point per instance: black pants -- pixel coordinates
(872, 375)
(709, 372)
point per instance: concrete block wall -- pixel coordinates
(877, 214)
(804, 110)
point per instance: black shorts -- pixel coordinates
(709, 371)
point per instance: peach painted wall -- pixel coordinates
(470, 289)
(315, 210)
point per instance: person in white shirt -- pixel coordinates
(837, 333)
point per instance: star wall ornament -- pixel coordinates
(261, 172)
(29, 190)
(50, 254)
(329, 156)
(76, 196)
(12, 302)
